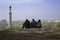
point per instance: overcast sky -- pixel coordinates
(28, 9)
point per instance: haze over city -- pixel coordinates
(28, 9)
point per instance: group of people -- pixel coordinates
(32, 24)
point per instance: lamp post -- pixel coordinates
(10, 18)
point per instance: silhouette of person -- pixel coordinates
(26, 24)
(33, 23)
(38, 25)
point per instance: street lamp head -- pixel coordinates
(10, 7)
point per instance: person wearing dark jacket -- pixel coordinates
(33, 24)
(38, 24)
(26, 24)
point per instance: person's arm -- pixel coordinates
(23, 26)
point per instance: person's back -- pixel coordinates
(33, 24)
(26, 24)
(38, 25)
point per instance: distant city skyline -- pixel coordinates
(29, 9)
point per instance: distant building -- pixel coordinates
(3, 21)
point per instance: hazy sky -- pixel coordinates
(28, 9)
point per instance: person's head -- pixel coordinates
(39, 20)
(33, 20)
(26, 19)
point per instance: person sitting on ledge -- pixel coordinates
(38, 24)
(26, 24)
(33, 24)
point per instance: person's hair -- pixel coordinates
(33, 19)
(39, 20)
(26, 19)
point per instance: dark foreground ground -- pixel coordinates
(29, 35)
